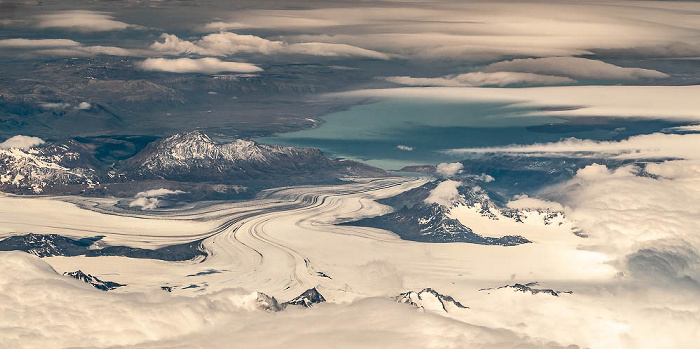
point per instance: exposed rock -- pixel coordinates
(429, 299)
(93, 280)
(306, 299)
(48, 245)
(529, 287)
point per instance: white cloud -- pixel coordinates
(449, 169)
(445, 193)
(81, 20)
(227, 43)
(662, 102)
(645, 223)
(510, 78)
(149, 200)
(656, 145)
(158, 192)
(687, 128)
(411, 81)
(39, 311)
(207, 65)
(55, 106)
(84, 106)
(69, 48)
(483, 177)
(21, 142)
(91, 51)
(332, 50)
(37, 43)
(404, 147)
(483, 79)
(575, 67)
(483, 30)
(524, 202)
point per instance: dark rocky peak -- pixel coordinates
(529, 287)
(306, 299)
(429, 299)
(93, 280)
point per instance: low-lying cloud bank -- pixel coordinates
(38, 307)
(207, 65)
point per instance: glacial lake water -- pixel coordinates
(394, 133)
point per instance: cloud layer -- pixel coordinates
(207, 65)
(662, 102)
(228, 43)
(81, 20)
(574, 67)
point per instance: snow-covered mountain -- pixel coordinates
(194, 156)
(49, 245)
(53, 165)
(461, 216)
(72, 167)
(429, 299)
(93, 280)
(431, 223)
(307, 299)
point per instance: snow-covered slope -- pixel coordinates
(36, 169)
(194, 156)
(466, 215)
(429, 299)
(72, 167)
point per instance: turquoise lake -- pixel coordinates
(375, 133)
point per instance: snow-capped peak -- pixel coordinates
(429, 299)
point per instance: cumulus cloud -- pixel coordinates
(228, 43)
(483, 79)
(81, 20)
(575, 67)
(84, 106)
(207, 65)
(647, 224)
(149, 200)
(444, 194)
(659, 102)
(21, 142)
(404, 147)
(449, 169)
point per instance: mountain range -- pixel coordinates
(181, 160)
